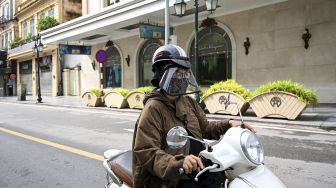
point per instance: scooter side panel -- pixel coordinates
(260, 177)
(113, 153)
(116, 186)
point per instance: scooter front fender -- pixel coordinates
(260, 177)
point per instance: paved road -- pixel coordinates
(62, 147)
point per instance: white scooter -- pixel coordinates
(238, 154)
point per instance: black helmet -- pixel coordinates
(171, 53)
(167, 55)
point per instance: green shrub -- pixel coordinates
(15, 43)
(306, 95)
(145, 89)
(46, 23)
(228, 85)
(97, 91)
(29, 38)
(122, 91)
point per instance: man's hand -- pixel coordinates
(235, 123)
(192, 163)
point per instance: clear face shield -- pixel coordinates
(178, 81)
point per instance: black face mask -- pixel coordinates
(178, 81)
(156, 78)
(158, 71)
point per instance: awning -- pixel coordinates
(122, 20)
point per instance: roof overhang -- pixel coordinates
(25, 51)
(115, 22)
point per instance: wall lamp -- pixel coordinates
(93, 63)
(247, 45)
(128, 59)
(109, 43)
(306, 37)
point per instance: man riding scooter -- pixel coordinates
(155, 164)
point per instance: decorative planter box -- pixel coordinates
(135, 99)
(215, 103)
(90, 99)
(115, 100)
(277, 104)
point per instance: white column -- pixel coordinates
(94, 6)
(85, 7)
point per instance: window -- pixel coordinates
(6, 11)
(42, 15)
(51, 12)
(214, 56)
(9, 38)
(5, 41)
(112, 68)
(24, 30)
(112, 2)
(32, 26)
(145, 61)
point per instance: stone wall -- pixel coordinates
(277, 50)
(71, 10)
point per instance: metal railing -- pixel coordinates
(5, 19)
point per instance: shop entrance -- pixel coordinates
(26, 76)
(46, 75)
(214, 56)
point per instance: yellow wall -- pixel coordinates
(35, 12)
(25, 15)
(55, 71)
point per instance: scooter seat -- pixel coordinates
(122, 167)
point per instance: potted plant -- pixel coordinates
(116, 98)
(93, 97)
(46, 23)
(135, 97)
(15, 43)
(281, 99)
(221, 92)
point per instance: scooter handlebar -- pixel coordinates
(205, 169)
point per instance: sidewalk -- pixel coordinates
(323, 116)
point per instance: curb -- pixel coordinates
(322, 124)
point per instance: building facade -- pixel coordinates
(28, 13)
(274, 29)
(8, 25)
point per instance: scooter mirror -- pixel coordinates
(176, 137)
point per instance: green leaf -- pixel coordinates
(122, 91)
(46, 23)
(145, 89)
(228, 85)
(97, 91)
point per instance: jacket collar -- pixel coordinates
(178, 105)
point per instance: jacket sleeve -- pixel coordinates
(210, 129)
(148, 146)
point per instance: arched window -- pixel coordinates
(145, 61)
(112, 68)
(214, 56)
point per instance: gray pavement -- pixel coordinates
(322, 116)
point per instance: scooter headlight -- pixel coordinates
(252, 148)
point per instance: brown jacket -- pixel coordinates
(155, 165)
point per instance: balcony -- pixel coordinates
(23, 4)
(21, 46)
(5, 19)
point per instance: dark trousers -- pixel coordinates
(187, 184)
